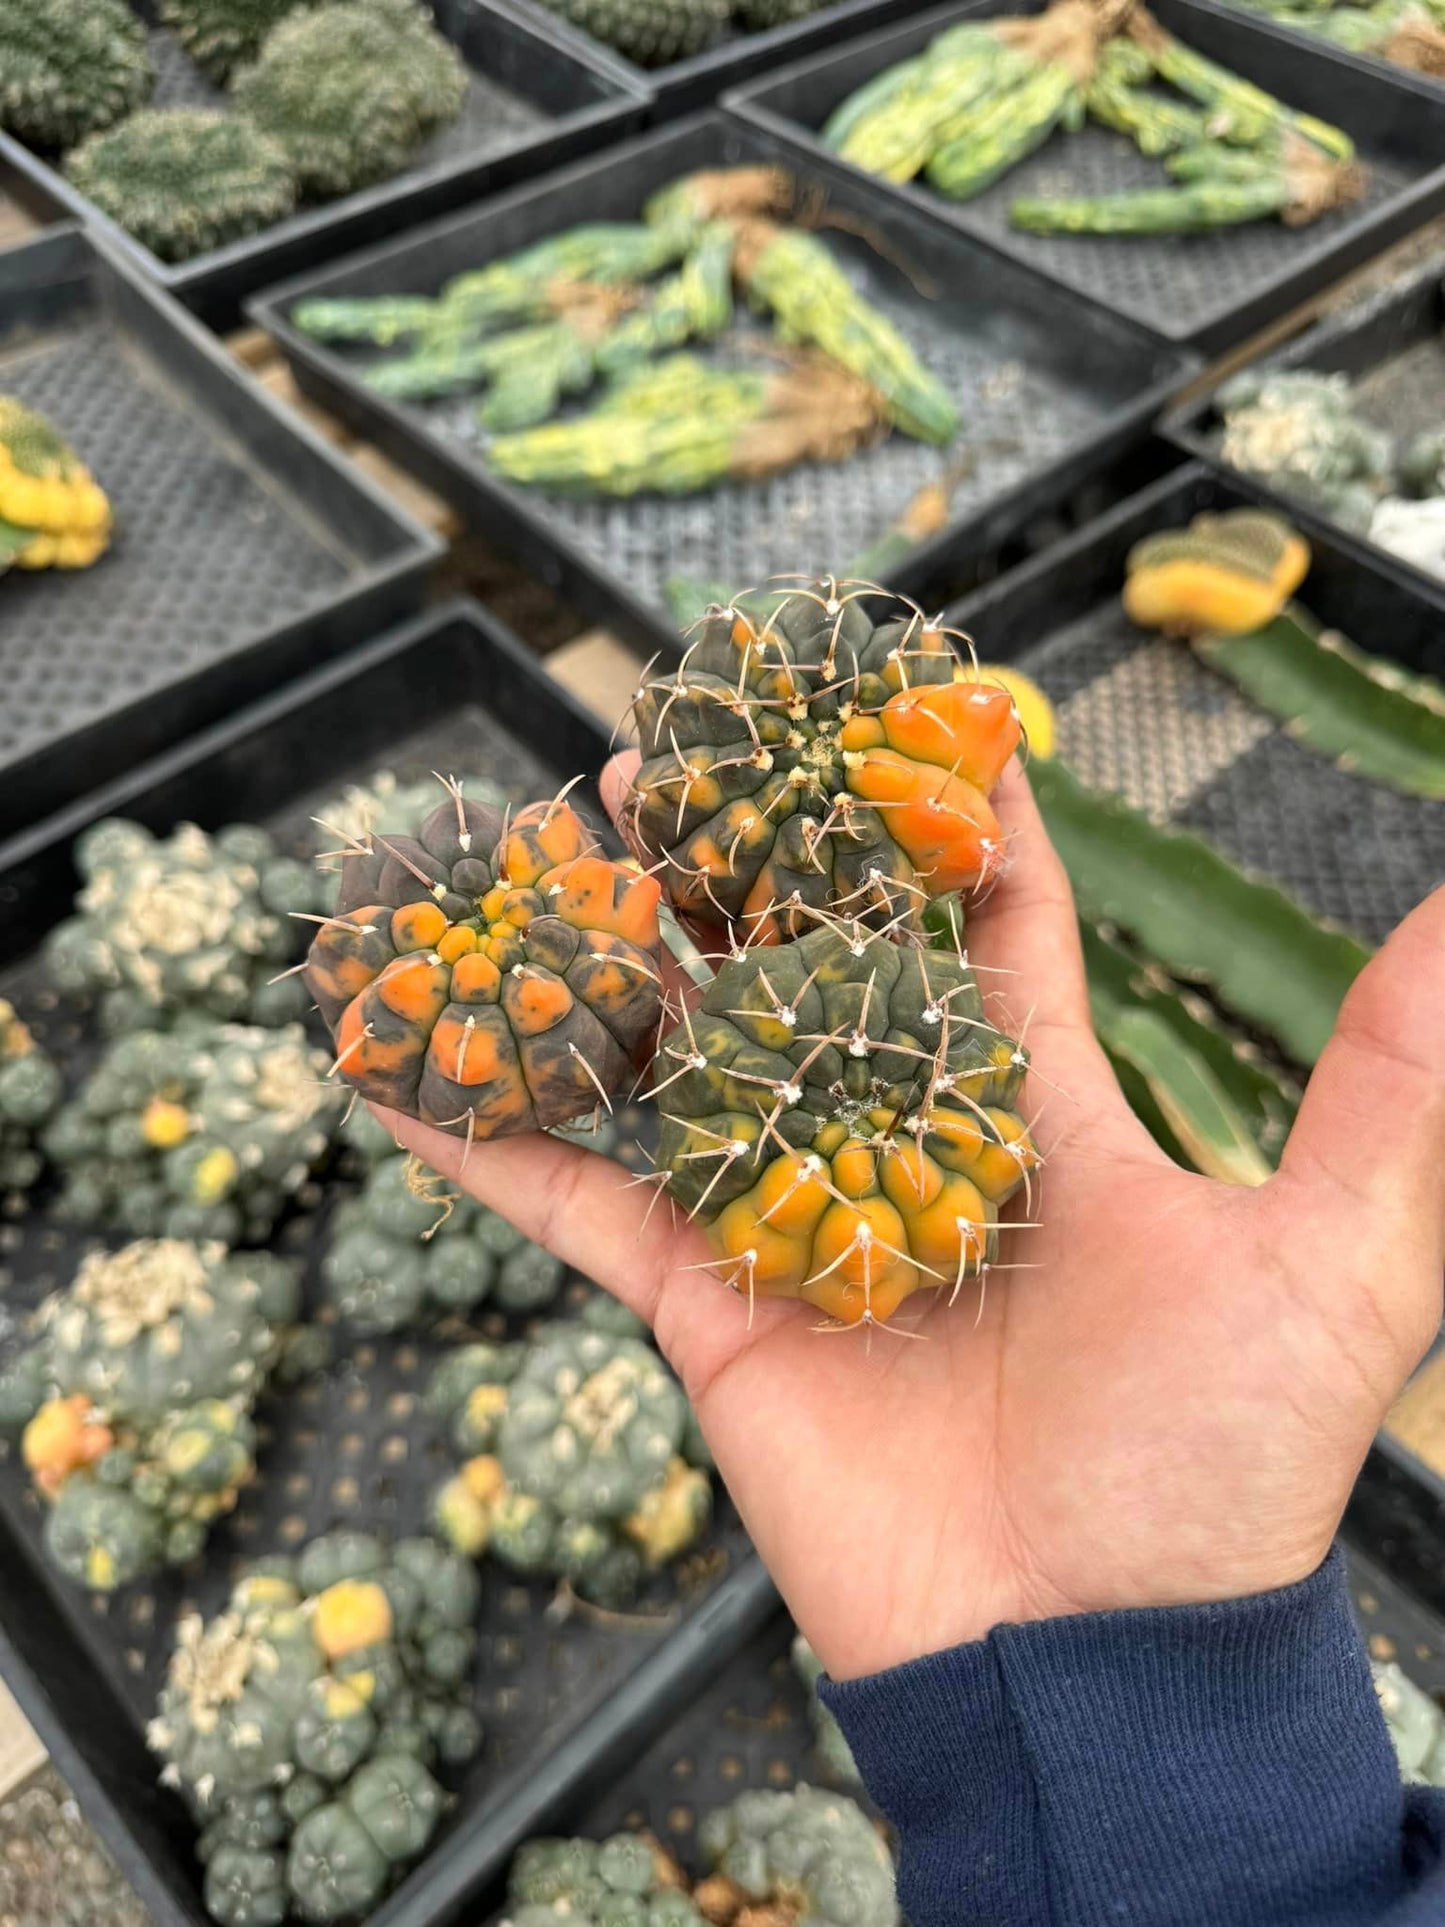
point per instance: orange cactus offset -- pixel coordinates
(842, 1118)
(496, 973)
(810, 755)
(63, 1436)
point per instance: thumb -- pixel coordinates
(1372, 1125)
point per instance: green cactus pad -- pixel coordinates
(69, 68)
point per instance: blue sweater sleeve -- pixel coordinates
(1215, 1766)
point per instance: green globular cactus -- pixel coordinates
(181, 926)
(30, 1090)
(1416, 1725)
(305, 1724)
(221, 35)
(183, 181)
(654, 33)
(209, 1133)
(834, 1753)
(624, 1881)
(813, 1856)
(136, 1394)
(407, 1249)
(1422, 464)
(352, 90)
(69, 68)
(1299, 432)
(382, 805)
(573, 1459)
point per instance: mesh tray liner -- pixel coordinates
(1019, 417)
(352, 1446)
(491, 118)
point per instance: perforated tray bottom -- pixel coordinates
(1145, 718)
(352, 1446)
(491, 117)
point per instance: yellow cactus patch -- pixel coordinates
(669, 1518)
(213, 1177)
(1223, 575)
(1032, 707)
(350, 1615)
(165, 1124)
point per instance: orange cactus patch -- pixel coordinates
(63, 1436)
(492, 974)
(813, 752)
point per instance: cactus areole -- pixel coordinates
(842, 1118)
(494, 974)
(806, 756)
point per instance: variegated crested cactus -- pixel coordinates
(814, 751)
(495, 974)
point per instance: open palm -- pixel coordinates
(1172, 1382)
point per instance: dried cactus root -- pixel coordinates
(53, 513)
(578, 1459)
(494, 974)
(842, 1118)
(813, 751)
(304, 1725)
(136, 1397)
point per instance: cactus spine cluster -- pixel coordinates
(69, 68)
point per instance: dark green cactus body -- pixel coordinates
(184, 181)
(806, 1849)
(69, 68)
(654, 33)
(222, 35)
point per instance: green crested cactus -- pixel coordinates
(834, 1752)
(654, 33)
(813, 1856)
(624, 1881)
(209, 1132)
(1416, 1725)
(30, 1089)
(1298, 431)
(352, 90)
(69, 68)
(305, 1723)
(136, 1396)
(408, 1248)
(573, 1459)
(189, 924)
(222, 35)
(184, 180)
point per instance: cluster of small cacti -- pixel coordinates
(1302, 433)
(305, 1724)
(1225, 582)
(30, 1087)
(352, 90)
(656, 33)
(1416, 1724)
(406, 1248)
(586, 307)
(1411, 33)
(209, 1134)
(167, 928)
(804, 1856)
(984, 95)
(184, 180)
(69, 68)
(136, 1397)
(53, 513)
(579, 1458)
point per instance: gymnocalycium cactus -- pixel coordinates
(184, 180)
(186, 924)
(407, 1247)
(807, 755)
(302, 1724)
(383, 805)
(494, 974)
(208, 1132)
(625, 1881)
(220, 35)
(136, 1399)
(69, 68)
(813, 1856)
(30, 1087)
(573, 1459)
(352, 90)
(842, 1118)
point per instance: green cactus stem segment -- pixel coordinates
(1297, 188)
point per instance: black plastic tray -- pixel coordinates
(534, 101)
(1052, 388)
(454, 691)
(40, 206)
(1295, 36)
(245, 549)
(1206, 291)
(688, 85)
(1392, 347)
(1139, 714)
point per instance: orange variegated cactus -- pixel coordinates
(496, 973)
(807, 756)
(842, 1118)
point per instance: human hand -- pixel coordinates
(1169, 1405)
